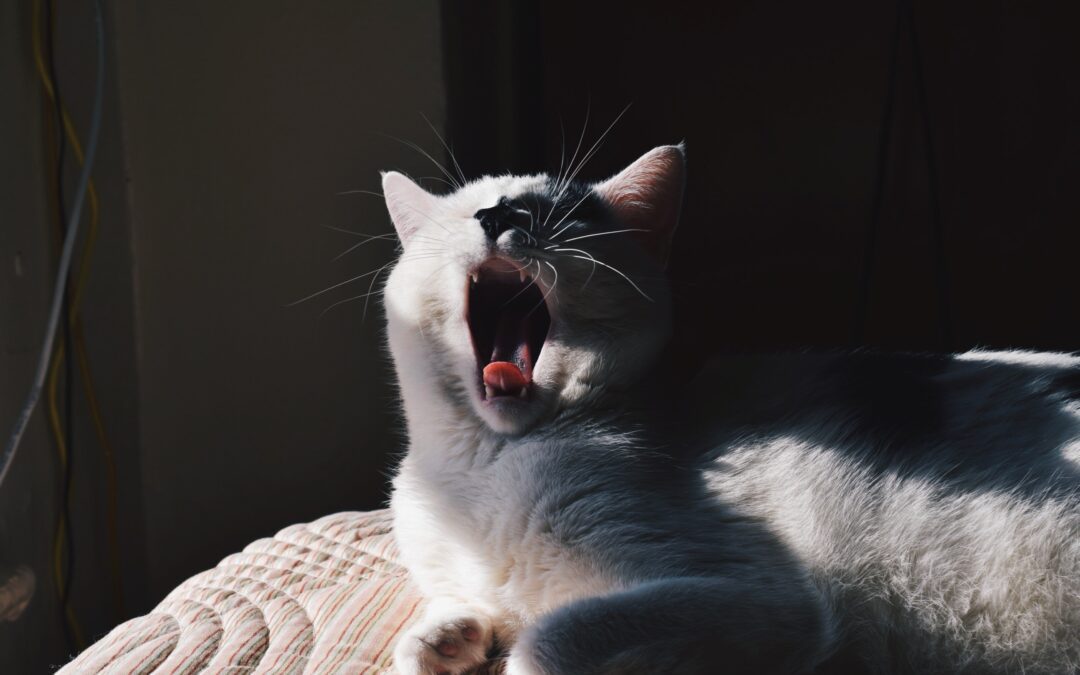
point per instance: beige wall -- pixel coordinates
(231, 129)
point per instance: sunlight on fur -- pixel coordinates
(567, 503)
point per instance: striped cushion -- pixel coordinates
(326, 597)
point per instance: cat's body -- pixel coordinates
(592, 515)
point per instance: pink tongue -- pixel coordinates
(504, 378)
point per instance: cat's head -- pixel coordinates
(518, 296)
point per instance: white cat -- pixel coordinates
(566, 498)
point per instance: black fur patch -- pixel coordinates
(551, 212)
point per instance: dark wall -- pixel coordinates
(230, 133)
(784, 108)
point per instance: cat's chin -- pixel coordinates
(510, 415)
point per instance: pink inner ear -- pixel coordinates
(647, 195)
(408, 203)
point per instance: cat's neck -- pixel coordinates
(445, 435)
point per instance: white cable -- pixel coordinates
(65, 256)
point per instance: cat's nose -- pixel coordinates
(493, 227)
(498, 218)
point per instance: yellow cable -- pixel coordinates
(79, 342)
(111, 505)
(62, 525)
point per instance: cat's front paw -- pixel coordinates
(444, 644)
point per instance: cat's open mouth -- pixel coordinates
(508, 320)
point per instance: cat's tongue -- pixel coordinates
(502, 378)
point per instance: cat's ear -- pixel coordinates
(647, 195)
(410, 205)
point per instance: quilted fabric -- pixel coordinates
(325, 597)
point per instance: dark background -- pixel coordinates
(936, 144)
(861, 174)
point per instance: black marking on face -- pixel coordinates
(568, 211)
(507, 214)
(547, 216)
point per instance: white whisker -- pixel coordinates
(461, 174)
(358, 234)
(437, 178)
(554, 284)
(425, 153)
(532, 282)
(559, 184)
(346, 300)
(568, 214)
(371, 238)
(601, 234)
(327, 290)
(596, 145)
(371, 285)
(616, 271)
(590, 258)
(361, 192)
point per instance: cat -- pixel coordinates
(568, 500)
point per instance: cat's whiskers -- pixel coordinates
(538, 279)
(560, 179)
(425, 153)
(562, 145)
(565, 178)
(595, 147)
(598, 234)
(436, 178)
(554, 284)
(532, 282)
(568, 214)
(370, 238)
(330, 288)
(588, 257)
(361, 192)
(363, 296)
(359, 234)
(532, 219)
(591, 259)
(371, 285)
(460, 173)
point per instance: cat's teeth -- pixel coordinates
(522, 393)
(475, 277)
(523, 275)
(488, 391)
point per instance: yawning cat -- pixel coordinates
(567, 502)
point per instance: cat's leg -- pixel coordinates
(685, 626)
(451, 638)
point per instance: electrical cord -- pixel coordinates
(21, 421)
(62, 300)
(77, 344)
(63, 538)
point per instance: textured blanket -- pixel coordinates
(325, 597)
